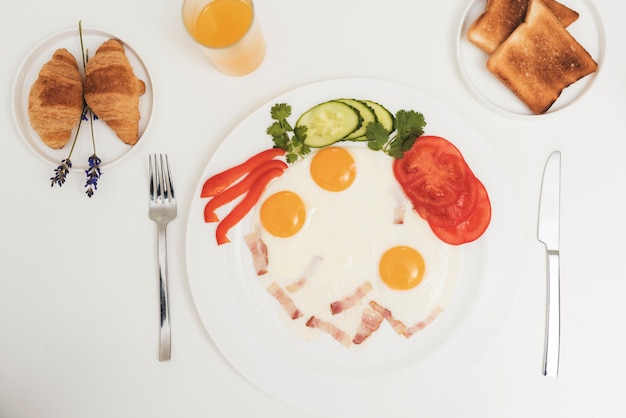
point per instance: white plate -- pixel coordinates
(587, 30)
(391, 373)
(108, 146)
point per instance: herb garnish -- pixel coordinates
(409, 125)
(280, 131)
(93, 172)
(61, 172)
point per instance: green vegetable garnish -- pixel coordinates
(286, 137)
(409, 125)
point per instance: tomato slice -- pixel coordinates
(456, 213)
(443, 190)
(246, 204)
(220, 181)
(473, 227)
(432, 173)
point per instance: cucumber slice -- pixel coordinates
(384, 116)
(329, 122)
(367, 114)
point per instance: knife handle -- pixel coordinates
(553, 316)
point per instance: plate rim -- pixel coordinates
(19, 86)
(461, 40)
(275, 389)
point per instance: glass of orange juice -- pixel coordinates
(228, 32)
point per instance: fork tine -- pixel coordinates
(163, 180)
(169, 183)
(159, 170)
(161, 184)
(151, 163)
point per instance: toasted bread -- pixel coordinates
(501, 17)
(539, 59)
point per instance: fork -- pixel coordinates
(162, 211)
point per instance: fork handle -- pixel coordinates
(165, 329)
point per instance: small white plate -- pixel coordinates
(587, 30)
(108, 146)
(391, 376)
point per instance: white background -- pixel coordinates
(78, 294)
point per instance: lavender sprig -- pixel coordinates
(61, 172)
(93, 174)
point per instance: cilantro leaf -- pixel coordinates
(377, 136)
(280, 111)
(285, 136)
(409, 126)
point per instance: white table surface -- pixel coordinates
(78, 289)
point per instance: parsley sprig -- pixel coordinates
(409, 125)
(285, 136)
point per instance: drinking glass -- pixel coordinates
(228, 32)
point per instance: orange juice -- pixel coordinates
(229, 33)
(223, 22)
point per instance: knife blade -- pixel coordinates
(548, 232)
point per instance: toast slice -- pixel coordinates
(540, 58)
(501, 17)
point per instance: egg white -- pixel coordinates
(349, 231)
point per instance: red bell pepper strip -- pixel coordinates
(246, 204)
(238, 189)
(217, 183)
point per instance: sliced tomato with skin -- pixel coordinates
(220, 181)
(456, 213)
(473, 227)
(238, 189)
(432, 173)
(246, 204)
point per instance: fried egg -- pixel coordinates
(346, 253)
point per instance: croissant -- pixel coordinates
(112, 90)
(55, 100)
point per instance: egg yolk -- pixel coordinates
(283, 214)
(333, 169)
(401, 268)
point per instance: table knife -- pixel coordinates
(548, 228)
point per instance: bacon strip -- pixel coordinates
(297, 285)
(285, 301)
(397, 326)
(329, 328)
(370, 322)
(422, 324)
(351, 300)
(308, 272)
(398, 214)
(259, 252)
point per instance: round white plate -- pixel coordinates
(390, 373)
(108, 146)
(587, 30)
